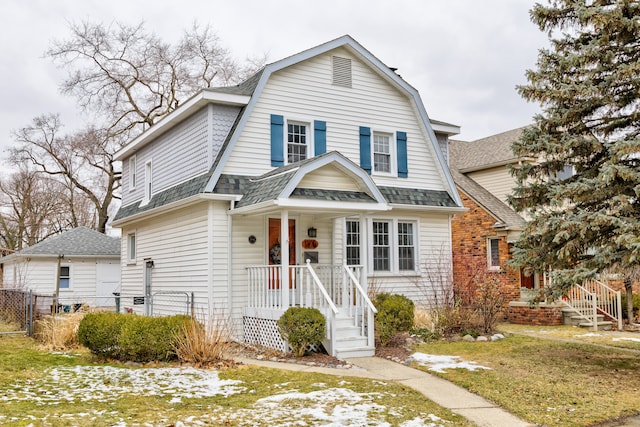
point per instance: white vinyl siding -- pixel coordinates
(498, 181)
(329, 176)
(305, 90)
(178, 245)
(200, 138)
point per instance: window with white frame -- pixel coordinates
(566, 173)
(381, 246)
(64, 278)
(353, 242)
(297, 141)
(382, 152)
(131, 247)
(148, 182)
(392, 245)
(406, 247)
(132, 173)
(493, 253)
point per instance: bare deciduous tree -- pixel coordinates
(82, 163)
(31, 209)
(130, 78)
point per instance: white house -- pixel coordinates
(317, 178)
(79, 265)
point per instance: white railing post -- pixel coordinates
(619, 311)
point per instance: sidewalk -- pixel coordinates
(473, 407)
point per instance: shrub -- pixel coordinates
(301, 327)
(395, 315)
(202, 345)
(100, 333)
(146, 339)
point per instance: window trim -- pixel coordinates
(148, 182)
(394, 247)
(490, 265)
(310, 143)
(60, 276)
(132, 259)
(393, 155)
(132, 173)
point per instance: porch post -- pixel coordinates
(364, 253)
(284, 258)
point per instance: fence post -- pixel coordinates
(193, 306)
(30, 311)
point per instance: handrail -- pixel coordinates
(324, 292)
(584, 303)
(608, 300)
(353, 278)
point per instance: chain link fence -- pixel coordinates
(21, 308)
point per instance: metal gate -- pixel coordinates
(165, 303)
(20, 307)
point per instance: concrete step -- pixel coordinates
(346, 353)
(603, 325)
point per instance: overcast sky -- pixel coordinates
(465, 57)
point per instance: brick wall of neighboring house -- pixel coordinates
(543, 314)
(469, 233)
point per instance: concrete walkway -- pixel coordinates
(471, 406)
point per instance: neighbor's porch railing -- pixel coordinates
(593, 298)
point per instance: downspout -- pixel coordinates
(232, 206)
(210, 259)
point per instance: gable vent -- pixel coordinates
(341, 71)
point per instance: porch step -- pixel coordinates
(569, 317)
(350, 352)
(603, 325)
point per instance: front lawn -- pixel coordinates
(55, 389)
(547, 380)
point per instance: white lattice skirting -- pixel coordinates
(263, 332)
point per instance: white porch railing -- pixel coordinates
(335, 290)
(594, 298)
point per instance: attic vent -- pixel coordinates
(341, 71)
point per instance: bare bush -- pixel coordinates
(60, 332)
(204, 343)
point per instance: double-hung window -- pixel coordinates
(353, 242)
(297, 141)
(406, 247)
(381, 246)
(131, 247)
(132, 173)
(493, 253)
(64, 278)
(148, 183)
(381, 152)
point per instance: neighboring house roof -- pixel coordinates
(80, 241)
(506, 217)
(487, 152)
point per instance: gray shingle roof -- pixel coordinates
(79, 241)
(417, 197)
(485, 152)
(493, 150)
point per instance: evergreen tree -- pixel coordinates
(580, 185)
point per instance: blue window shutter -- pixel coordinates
(365, 149)
(320, 137)
(277, 140)
(403, 163)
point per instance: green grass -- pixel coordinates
(23, 366)
(549, 381)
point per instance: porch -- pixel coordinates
(338, 291)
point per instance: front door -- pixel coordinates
(274, 248)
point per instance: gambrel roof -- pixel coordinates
(246, 95)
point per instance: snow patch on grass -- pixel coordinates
(438, 363)
(107, 383)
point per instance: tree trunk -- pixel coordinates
(628, 287)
